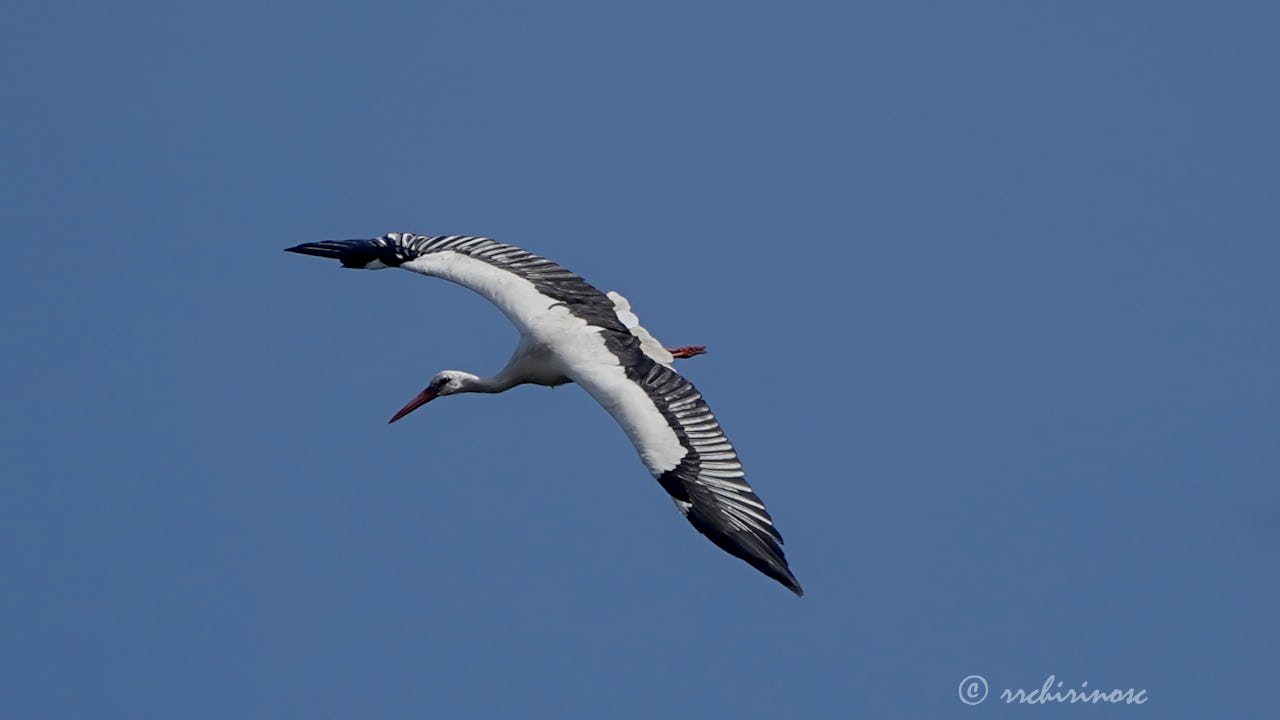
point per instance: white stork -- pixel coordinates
(572, 332)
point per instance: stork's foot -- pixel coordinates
(688, 351)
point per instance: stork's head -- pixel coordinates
(446, 382)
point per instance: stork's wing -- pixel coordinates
(684, 447)
(721, 505)
(484, 265)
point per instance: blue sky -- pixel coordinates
(989, 289)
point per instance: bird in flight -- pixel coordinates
(572, 332)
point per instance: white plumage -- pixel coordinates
(571, 332)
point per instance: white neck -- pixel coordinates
(496, 384)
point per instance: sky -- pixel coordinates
(989, 291)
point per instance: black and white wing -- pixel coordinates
(685, 449)
(708, 484)
(522, 285)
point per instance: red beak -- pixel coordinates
(423, 398)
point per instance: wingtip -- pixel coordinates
(358, 254)
(784, 577)
(794, 587)
(319, 249)
(760, 551)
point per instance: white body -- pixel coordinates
(556, 344)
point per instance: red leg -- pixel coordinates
(688, 351)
